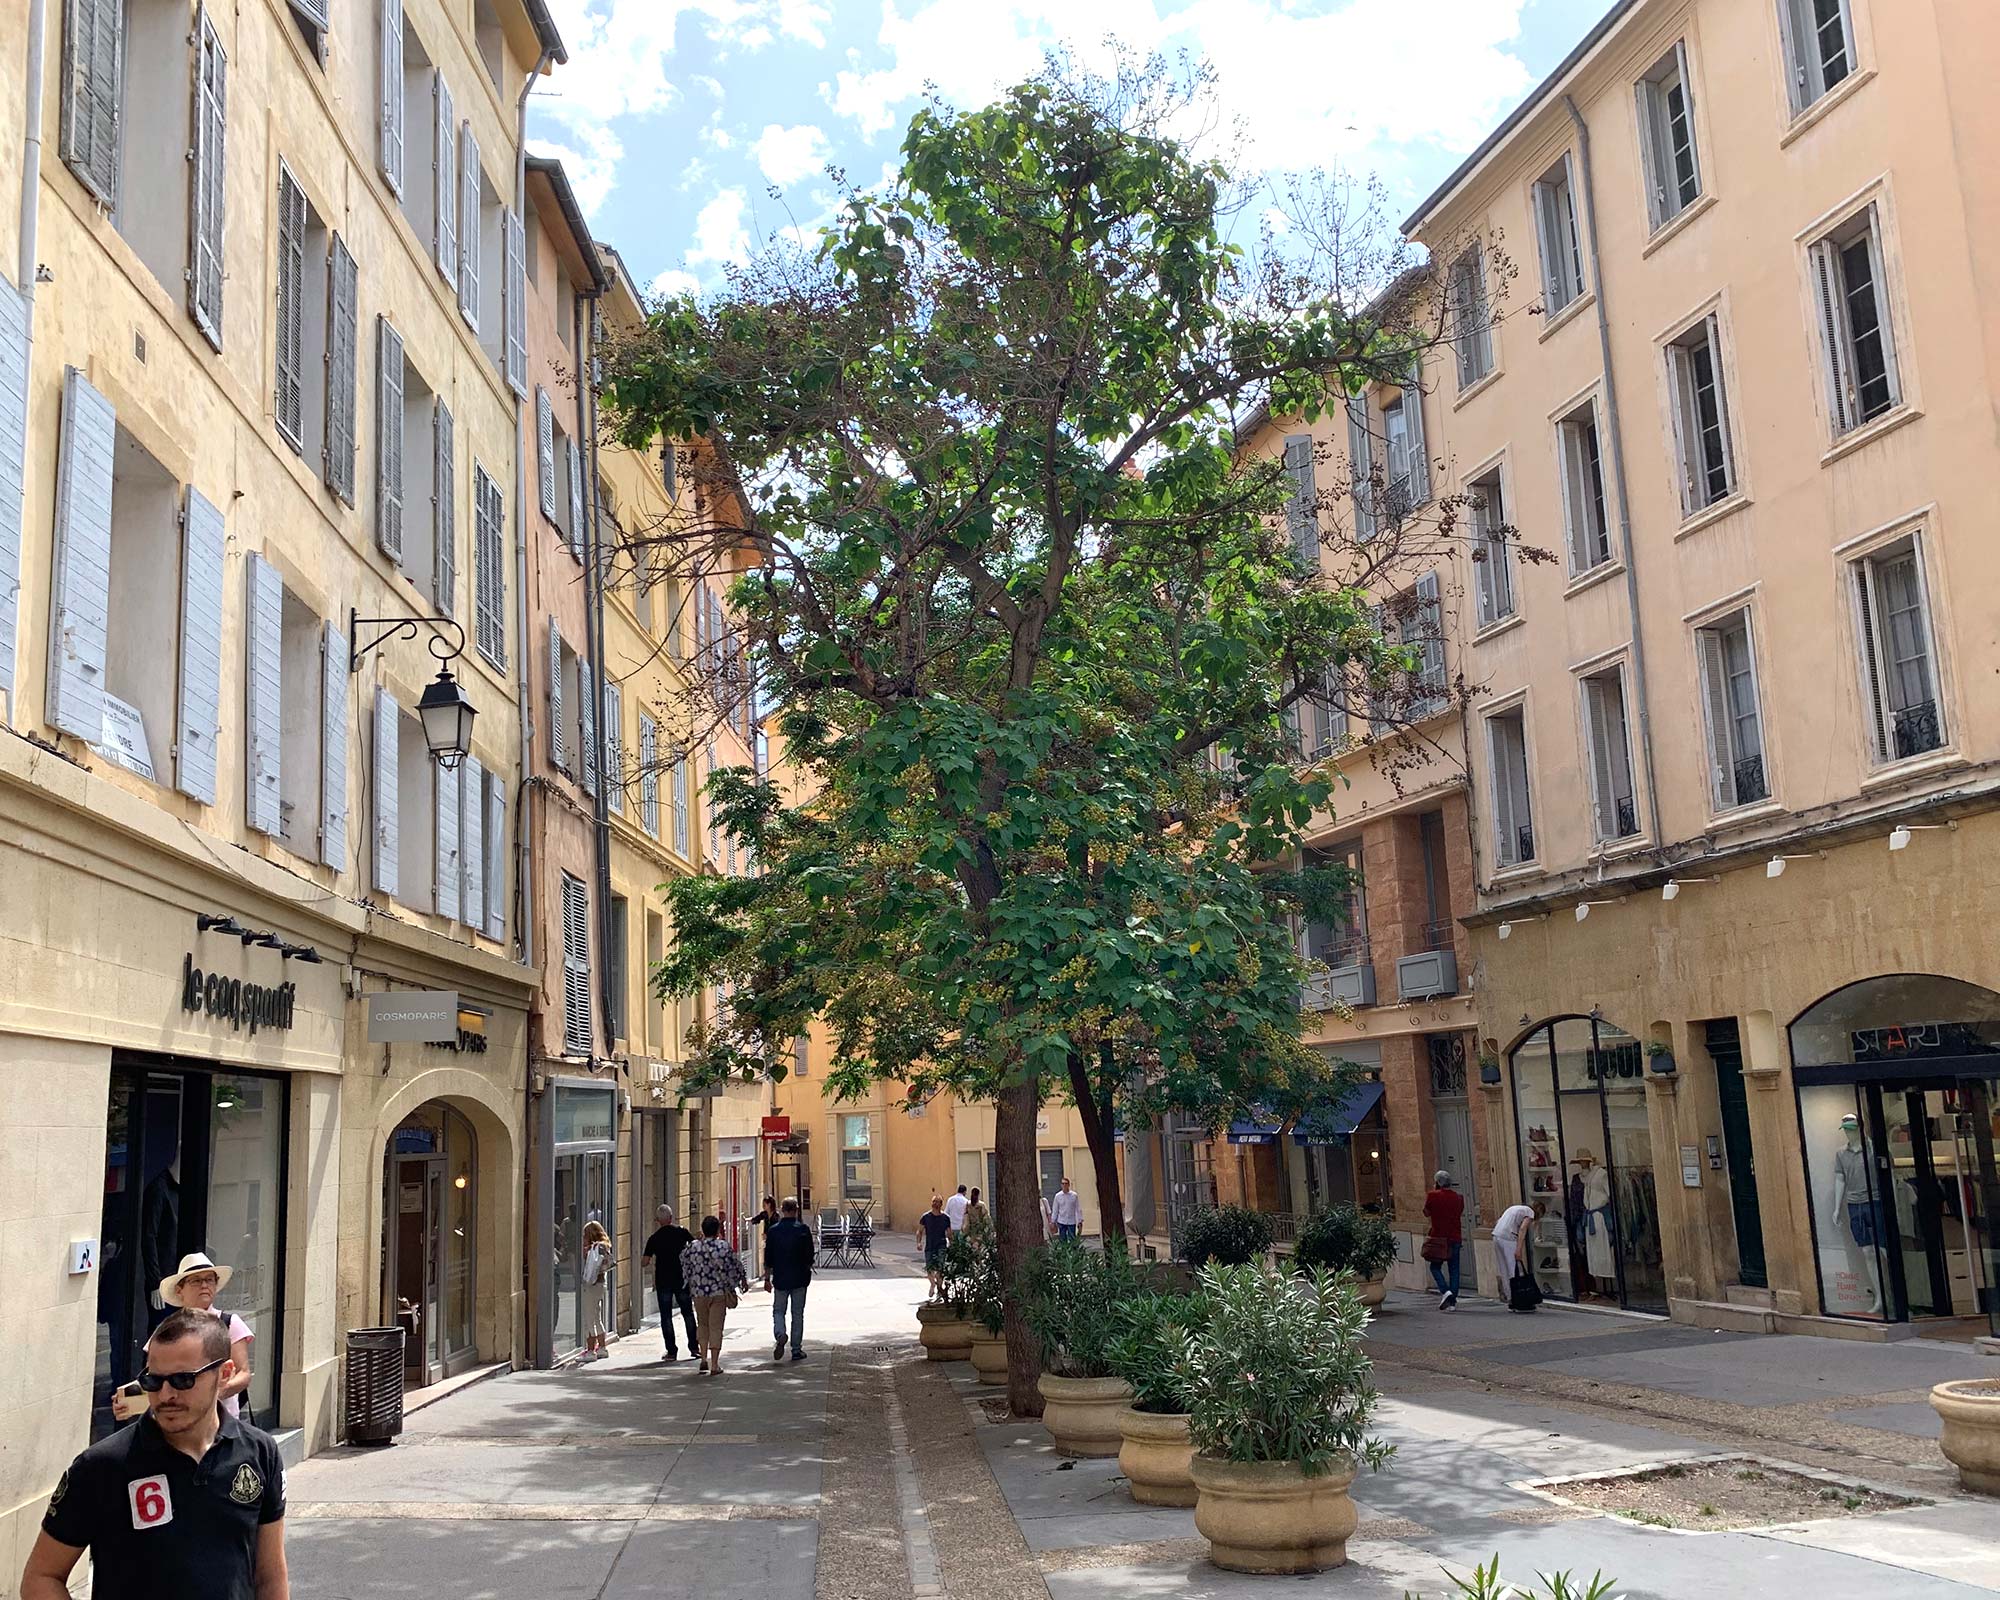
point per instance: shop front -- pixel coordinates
(737, 1201)
(430, 1252)
(583, 1183)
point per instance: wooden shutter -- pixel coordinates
(576, 967)
(1433, 686)
(545, 451)
(334, 679)
(314, 12)
(1843, 401)
(288, 402)
(489, 567)
(556, 698)
(468, 225)
(263, 693)
(388, 750)
(445, 794)
(472, 845)
(679, 780)
(444, 513)
(586, 698)
(80, 598)
(1301, 507)
(1715, 711)
(496, 858)
(388, 439)
(1361, 465)
(93, 86)
(614, 752)
(517, 306)
(444, 186)
(576, 529)
(200, 713)
(391, 154)
(342, 360)
(207, 200)
(13, 470)
(1419, 451)
(649, 777)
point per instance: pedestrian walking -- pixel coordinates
(592, 1274)
(1048, 1219)
(1066, 1210)
(788, 1262)
(934, 1229)
(1509, 1233)
(1445, 1207)
(763, 1222)
(187, 1503)
(715, 1276)
(976, 1214)
(955, 1207)
(194, 1284)
(663, 1253)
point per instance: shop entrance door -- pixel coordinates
(416, 1264)
(1939, 1205)
(1725, 1049)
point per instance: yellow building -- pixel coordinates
(256, 428)
(1740, 1019)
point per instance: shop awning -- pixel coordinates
(1336, 1121)
(1251, 1131)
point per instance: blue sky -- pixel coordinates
(676, 118)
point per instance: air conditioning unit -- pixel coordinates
(1426, 976)
(1354, 985)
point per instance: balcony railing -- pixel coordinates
(1524, 843)
(1918, 728)
(1432, 936)
(1750, 784)
(1627, 814)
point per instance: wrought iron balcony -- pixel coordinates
(1918, 728)
(1750, 784)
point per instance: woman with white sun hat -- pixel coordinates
(194, 1284)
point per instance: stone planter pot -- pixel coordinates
(1971, 1441)
(1154, 1457)
(1268, 1516)
(1373, 1291)
(1081, 1414)
(944, 1333)
(988, 1352)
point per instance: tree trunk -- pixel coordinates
(1100, 1133)
(1017, 1215)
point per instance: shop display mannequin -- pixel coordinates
(1596, 1223)
(1858, 1214)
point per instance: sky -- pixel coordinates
(676, 120)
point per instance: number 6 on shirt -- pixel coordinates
(152, 1507)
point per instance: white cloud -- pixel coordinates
(721, 231)
(674, 281)
(591, 164)
(786, 155)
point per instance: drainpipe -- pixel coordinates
(31, 156)
(593, 601)
(1618, 476)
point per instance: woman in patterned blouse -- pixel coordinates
(714, 1275)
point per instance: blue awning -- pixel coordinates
(1335, 1122)
(1249, 1131)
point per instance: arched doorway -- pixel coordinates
(1580, 1121)
(1898, 1081)
(430, 1255)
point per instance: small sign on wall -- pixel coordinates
(82, 1257)
(1690, 1166)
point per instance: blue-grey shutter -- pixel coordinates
(679, 776)
(545, 451)
(334, 679)
(444, 512)
(1433, 688)
(263, 694)
(444, 184)
(1413, 418)
(388, 838)
(555, 698)
(314, 12)
(1361, 462)
(93, 87)
(1302, 505)
(13, 468)
(496, 857)
(576, 530)
(342, 363)
(388, 439)
(200, 731)
(80, 598)
(206, 197)
(489, 581)
(649, 777)
(472, 845)
(391, 154)
(614, 752)
(445, 793)
(517, 306)
(576, 967)
(288, 398)
(586, 694)
(468, 225)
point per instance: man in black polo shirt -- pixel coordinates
(185, 1504)
(663, 1250)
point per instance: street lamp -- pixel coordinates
(445, 709)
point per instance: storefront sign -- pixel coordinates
(464, 1040)
(251, 1005)
(777, 1127)
(729, 1150)
(585, 1113)
(420, 1016)
(1906, 1040)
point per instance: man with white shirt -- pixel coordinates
(1067, 1210)
(955, 1209)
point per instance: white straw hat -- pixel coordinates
(195, 1261)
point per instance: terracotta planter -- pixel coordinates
(1373, 1291)
(945, 1334)
(1971, 1441)
(1268, 1516)
(1154, 1457)
(988, 1352)
(1081, 1414)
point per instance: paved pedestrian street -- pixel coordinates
(867, 1472)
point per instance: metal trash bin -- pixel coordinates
(374, 1385)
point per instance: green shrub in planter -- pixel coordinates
(1230, 1235)
(962, 1264)
(1274, 1372)
(1344, 1239)
(1146, 1350)
(983, 1295)
(1069, 1297)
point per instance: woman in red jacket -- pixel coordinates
(1445, 1207)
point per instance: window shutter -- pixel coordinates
(444, 186)
(314, 11)
(679, 781)
(669, 471)
(649, 777)
(517, 306)
(93, 79)
(496, 858)
(288, 402)
(392, 94)
(545, 448)
(586, 696)
(342, 359)
(206, 198)
(1420, 457)
(472, 845)
(389, 439)
(468, 225)
(13, 469)
(1833, 330)
(1361, 462)
(81, 598)
(263, 688)
(444, 513)
(445, 791)
(576, 529)
(490, 567)
(576, 968)
(1715, 708)
(1505, 825)
(388, 840)
(555, 698)
(614, 752)
(1301, 507)
(1871, 654)
(1433, 687)
(200, 719)
(333, 748)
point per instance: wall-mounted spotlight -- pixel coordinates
(1507, 927)
(1583, 908)
(208, 922)
(1671, 889)
(301, 952)
(1900, 835)
(1775, 867)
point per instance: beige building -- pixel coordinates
(256, 455)
(1734, 766)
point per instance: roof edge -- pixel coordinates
(545, 30)
(551, 168)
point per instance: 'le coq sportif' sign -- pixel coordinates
(231, 1000)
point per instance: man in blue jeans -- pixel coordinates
(1067, 1211)
(788, 1261)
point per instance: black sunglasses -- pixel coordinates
(154, 1382)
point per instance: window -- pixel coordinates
(1492, 560)
(314, 23)
(1819, 47)
(1729, 703)
(678, 784)
(576, 967)
(614, 746)
(1471, 317)
(303, 695)
(1513, 811)
(649, 775)
(1701, 417)
(1407, 481)
(560, 474)
(1420, 625)
(1899, 655)
(1361, 467)
(410, 85)
(444, 181)
(492, 42)
(1860, 349)
(1666, 138)
(415, 474)
(1319, 722)
(1342, 941)
(801, 1056)
(572, 712)
(1615, 812)
(1561, 244)
(857, 1170)
(1302, 504)
(615, 955)
(489, 554)
(1585, 514)
(656, 1011)
(482, 851)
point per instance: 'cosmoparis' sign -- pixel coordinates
(231, 1000)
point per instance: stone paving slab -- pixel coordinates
(551, 1561)
(698, 1560)
(787, 1474)
(1914, 1417)
(487, 1474)
(1958, 1540)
